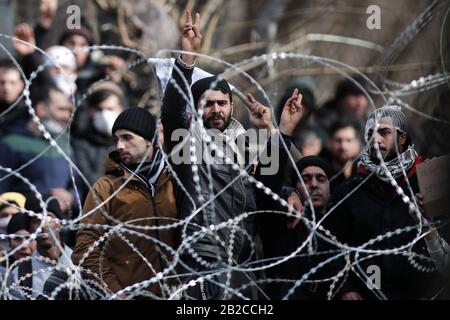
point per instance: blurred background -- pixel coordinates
(411, 45)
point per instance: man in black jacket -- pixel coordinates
(371, 217)
(215, 190)
(280, 240)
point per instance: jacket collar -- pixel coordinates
(113, 167)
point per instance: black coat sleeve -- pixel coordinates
(174, 113)
(340, 223)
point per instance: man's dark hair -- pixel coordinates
(33, 204)
(41, 93)
(345, 123)
(98, 96)
(348, 87)
(201, 86)
(8, 64)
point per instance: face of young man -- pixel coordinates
(389, 140)
(217, 109)
(11, 85)
(355, 105)
(78, 42)
(344, 145)
(45, 240)
(317, 185)
(25, 250)
(60, 107)
(132, 148)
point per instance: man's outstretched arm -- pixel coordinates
(174, 114)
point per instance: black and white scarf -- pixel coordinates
(149, 172)
(396, 166)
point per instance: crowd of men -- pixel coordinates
(111, 201)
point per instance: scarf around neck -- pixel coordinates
(396, 166)
(149, 172)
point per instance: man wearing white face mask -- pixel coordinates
(92, 139)
(62, 68)
(60, 62)
(47, 169)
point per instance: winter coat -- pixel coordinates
(123, 266)
(373, 208)
(232, 194)
(50, 170)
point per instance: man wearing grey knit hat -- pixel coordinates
(136, 191)
(380, 200)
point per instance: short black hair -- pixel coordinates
(345, 123)
(41, 93)
(33, 204)
(348, 87)
(8, 64)
(305, 135)
(98, 96)
(19, 221)
(199, 87)
(309, 161)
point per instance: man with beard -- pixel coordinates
(137, 194)
(50, 252)
(214, 191)
(50, 172)
(375, 202)
(344, 146)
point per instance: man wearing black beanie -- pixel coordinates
(136, 191)
(313, 189)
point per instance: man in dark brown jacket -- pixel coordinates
(123, 240)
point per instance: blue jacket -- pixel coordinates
(18, 150)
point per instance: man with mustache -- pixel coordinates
(213, 187)
(379, 200)
(136, 191)
(344, 146)
(314, 189)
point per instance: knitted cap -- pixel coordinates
(201, 86)
(311, 161)
(82, 31)
(393, 112)
(137, 120)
